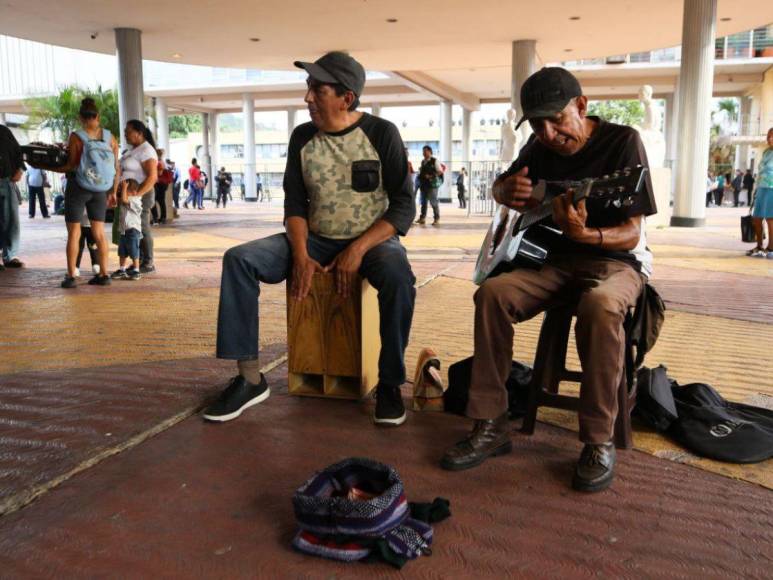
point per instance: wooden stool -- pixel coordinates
(550, 369)
(333, 343)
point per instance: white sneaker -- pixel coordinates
(95, 268)
(760, 254)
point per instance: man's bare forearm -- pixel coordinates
(379, 232)
(297, 229)
(622, 237)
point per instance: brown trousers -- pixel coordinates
(605, 289)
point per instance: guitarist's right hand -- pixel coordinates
(515, 190)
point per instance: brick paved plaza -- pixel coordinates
(106, 469)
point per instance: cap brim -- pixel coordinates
(546, 110)
(317, 72)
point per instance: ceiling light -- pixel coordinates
(254, 39)
(176, 55)
(574, 18)
(391, 20)
(568, 49)
(725, 19)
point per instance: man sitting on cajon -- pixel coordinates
(347, 197)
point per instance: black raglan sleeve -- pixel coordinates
(394, 174)
(296, 195)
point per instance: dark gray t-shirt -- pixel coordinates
(612, 147)
(344, 182)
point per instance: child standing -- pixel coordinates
(130, 227)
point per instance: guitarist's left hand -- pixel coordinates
(569, 218)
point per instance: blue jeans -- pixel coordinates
(9, 220)
(269, 260)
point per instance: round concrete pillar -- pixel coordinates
(696, 76)
(248, 111)
(128, 51)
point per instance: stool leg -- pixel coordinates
(549, 363)
(623, 435)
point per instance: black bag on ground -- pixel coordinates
(747, 229)
(654, 400)
(648, 318)
(458, 392)
(713, 427)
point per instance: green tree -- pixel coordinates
(624, 112)
(59, 113)
(181, 125)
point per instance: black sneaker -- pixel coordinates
(147, 268)
(100, 281)
(69, 282)
(390, 411)
(132, 274)
(119, 274)
(240, 394)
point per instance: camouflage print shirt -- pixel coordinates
(344, 182)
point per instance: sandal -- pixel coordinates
(427, 383)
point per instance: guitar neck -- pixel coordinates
(545, 210)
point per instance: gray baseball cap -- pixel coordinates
(336, 68)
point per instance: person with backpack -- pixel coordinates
(140, 163)
(92, 180)
(430, 179)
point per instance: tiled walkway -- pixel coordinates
(98, 388)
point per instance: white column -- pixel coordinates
(206, 161)
(444, 155)
(695, 87)
(292, 119)
(128, 51)
(215, 147)
(523, 65)
(2, 118)
(162, 125)
(248, 110)
(744, 122)
(466, 136)
(375, 109)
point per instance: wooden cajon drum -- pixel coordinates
(333, 343)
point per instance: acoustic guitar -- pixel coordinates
(524, 239)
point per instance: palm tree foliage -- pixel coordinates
(59, 113)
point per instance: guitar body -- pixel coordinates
(527, 248)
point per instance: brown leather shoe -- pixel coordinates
(596, 467)
(489, 438)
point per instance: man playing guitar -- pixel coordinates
(602, 263)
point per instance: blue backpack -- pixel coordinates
(96, 171)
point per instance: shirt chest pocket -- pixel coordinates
(366, 175)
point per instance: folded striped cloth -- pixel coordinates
(356, 509)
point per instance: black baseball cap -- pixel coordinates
(336, 68)
(547, 92)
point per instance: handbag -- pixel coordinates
(747, 229)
